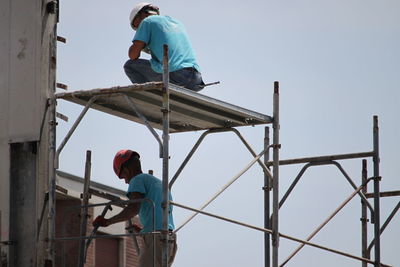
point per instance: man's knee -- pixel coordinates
(129, 64)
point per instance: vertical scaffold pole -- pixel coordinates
(376, 194)
(267, 224)
(52, 184)
(275, 174)
(165, 182)
(84, 211)
(364, 219)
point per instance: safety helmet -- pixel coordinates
(149, 8)
(121, 157)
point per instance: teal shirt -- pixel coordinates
(150, 187)
(156, 31)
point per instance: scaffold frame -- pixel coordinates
(271, 178)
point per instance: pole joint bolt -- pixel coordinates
(278, 146)
(378, 178)
(267, 188)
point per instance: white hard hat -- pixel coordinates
(138, 8)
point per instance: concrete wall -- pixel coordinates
(20, 80)
(4, 149)
(27, 78)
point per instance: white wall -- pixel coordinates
(4, 93)
(25, 79)
(21, 68)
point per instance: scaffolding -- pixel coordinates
(172, 109)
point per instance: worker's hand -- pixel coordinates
(100, 221)
(136, 228)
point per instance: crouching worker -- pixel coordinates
(152, 32)
(127, 166)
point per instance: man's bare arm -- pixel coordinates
(135, 49)
(129, 211)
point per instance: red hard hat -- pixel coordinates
(121, 157)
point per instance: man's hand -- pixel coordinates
(100, 221)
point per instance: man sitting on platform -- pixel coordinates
(152, 32)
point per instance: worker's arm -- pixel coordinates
(128, 212)
(135, 49)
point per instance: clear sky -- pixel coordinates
(338, 63)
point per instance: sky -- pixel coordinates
(338, 64)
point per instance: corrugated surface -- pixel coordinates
(190, 111)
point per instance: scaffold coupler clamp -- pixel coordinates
(267, 188)
(377, 178)
(278, 146)
(170, 236)
(165, 110)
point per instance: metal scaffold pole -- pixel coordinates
(52, 184)
(266, 188)
(364, 218)
(84, 210)
(165, 150)
(275, 181)
(376, 193)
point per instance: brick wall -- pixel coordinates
(68, 225)
(67, 252)
(107, 252)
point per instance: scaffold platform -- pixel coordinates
(189, 111)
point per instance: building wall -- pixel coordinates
(107, 252)
(21, 68)
(4, 147)
(27, 79)
(67, 225)
(4, 199)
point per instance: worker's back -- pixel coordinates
(150, 187)
(157, 30)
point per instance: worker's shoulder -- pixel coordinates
(146, 176)
(160, 19)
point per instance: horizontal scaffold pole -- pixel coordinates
(344, 203)
(269, 231)
(324, 158)
(245, 169)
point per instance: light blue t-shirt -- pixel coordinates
(151, 188)
(158, 30)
